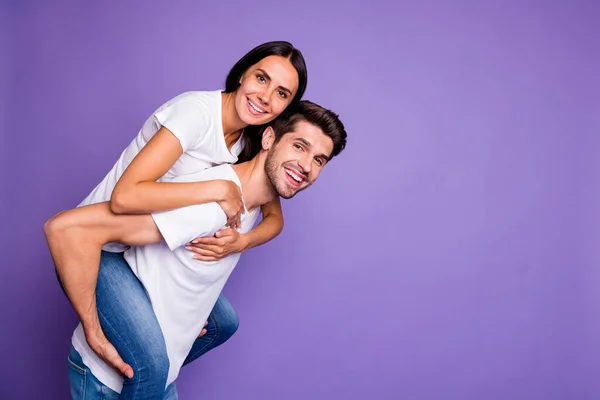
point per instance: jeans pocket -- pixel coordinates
(77, 378)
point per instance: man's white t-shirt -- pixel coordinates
(195, 118)
(182, 290)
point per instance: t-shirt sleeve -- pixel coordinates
(189, 119)
(182, 225)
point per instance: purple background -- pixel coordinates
(449, 253)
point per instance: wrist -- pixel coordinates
(244, 241)
(212, 191)
(90, 322)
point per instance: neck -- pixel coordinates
(256, 187)
(232, 124)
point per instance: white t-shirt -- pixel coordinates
(195, 119)
(182, 290)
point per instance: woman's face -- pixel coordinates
(266, 89)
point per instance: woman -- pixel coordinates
(191, 132)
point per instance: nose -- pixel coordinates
(263, 96)
(305, 163)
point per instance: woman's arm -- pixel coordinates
(137, 191)
(229, 240)
(75, 238)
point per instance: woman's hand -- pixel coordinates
(224, 243)
(231, 203)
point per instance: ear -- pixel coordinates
(268, 138)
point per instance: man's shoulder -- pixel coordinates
(224, 171)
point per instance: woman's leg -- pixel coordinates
(223, 321)
(129, 323)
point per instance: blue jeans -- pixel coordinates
(85, 386)
(129, 323)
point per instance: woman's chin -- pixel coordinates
(256, 119)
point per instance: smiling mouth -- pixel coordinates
(295, 179)
(254, 109)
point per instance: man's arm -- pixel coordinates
(227, 241)
(75, 238)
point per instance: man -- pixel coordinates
(295, 148)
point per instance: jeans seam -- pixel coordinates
(81, 371)
(214, 338)
(77, 367)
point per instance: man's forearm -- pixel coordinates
(270, 226)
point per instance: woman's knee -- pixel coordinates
(229, 325)
(225, 318)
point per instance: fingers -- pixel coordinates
(108, 353)
(235, 221)
(206, 241)
(230, 221)
(208, 256)
(115, 360)
(225, 232)
(221, 238)
(214, 248)
(205, 248)
(203, 254)
(121, 366)
(203, 331)
(233, 205)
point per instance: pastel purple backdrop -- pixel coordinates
(451, 252)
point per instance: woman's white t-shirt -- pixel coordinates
(195, 119)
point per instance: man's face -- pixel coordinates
(296, 161)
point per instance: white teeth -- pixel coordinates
(293, 175)
(256, 108)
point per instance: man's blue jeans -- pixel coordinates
(85, 386)
(129, 323)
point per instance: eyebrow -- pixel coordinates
(269, 78)
(308, 144)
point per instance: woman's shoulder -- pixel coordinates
(203, 105)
